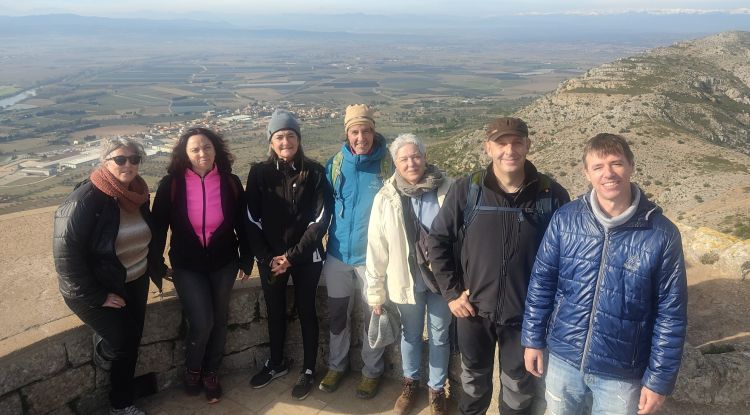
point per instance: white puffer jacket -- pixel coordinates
(388, 247)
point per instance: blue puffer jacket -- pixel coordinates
(358, 182)
(616, 302)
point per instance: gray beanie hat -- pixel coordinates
(283, 120)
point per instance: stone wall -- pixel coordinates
(49, 369)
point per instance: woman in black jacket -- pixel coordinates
(202, 201)
(101, 251)
(289, 204)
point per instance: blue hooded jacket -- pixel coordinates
(611, 303)
(358, 182)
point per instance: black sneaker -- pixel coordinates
(304, 384)
(267, 374)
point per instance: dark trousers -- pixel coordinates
(120, 330)
(477, 337)
(305, 279)
(205, 302)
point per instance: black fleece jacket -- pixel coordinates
(289, 209)
(497, 252)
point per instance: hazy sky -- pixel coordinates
(476, 8)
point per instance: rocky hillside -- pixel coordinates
(685, 109)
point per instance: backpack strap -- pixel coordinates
(386, 167)
(338, 158)
(473, 197)
(543, 205)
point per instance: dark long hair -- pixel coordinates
(180, 161)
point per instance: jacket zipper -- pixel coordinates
(595, 301)
(203, 224)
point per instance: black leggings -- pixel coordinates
(305, 278)
(121, 330)
(205, 302)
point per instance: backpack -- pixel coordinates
(386, 168)
(542, 206)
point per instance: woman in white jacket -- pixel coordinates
(398, 268)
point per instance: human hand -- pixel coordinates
(114, 301)
(534, 361)
(279, 265)
(377, 310)
(461, 307)
(650, 401)
(242, 276)
(169, 275)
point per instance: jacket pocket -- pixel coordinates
(553, 318)
(636, 344)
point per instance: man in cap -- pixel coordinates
(356, 173)
(482, 246)
(608, 295)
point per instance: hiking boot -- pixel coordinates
(405, 401)
(368, 387)
(331, 381)
(268, 373)
(438, 402)
(129, 410)
(212, 386)
(99, 360)
(304, 384)
(192, 382)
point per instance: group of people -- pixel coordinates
(589, 294)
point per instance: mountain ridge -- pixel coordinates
(685, 110)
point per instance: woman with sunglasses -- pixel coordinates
(202, 202)
(289, 204)
(101, 251)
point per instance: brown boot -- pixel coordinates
(438, 403)
(405, 401)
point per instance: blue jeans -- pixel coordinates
(568, 389)
(412, 327)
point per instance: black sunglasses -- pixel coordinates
(120, 160)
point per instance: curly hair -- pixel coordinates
(180, 161)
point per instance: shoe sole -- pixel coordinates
(299, 398)
(278, 375)
(329, 389)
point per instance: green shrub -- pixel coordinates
(709, 258)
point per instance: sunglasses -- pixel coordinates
(120, 160)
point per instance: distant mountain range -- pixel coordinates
(685, 109)
(619, 27)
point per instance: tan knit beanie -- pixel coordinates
(358, 114)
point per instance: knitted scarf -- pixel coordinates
(430, 181)
(130, 197)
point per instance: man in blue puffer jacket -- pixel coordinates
(608, 295)
(356, 174)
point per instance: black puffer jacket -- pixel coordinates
(83, 246)
(498, 251)
(289, 207)
(185, 248)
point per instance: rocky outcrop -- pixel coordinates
(684, 109)
(714, 378)
(727, 254)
